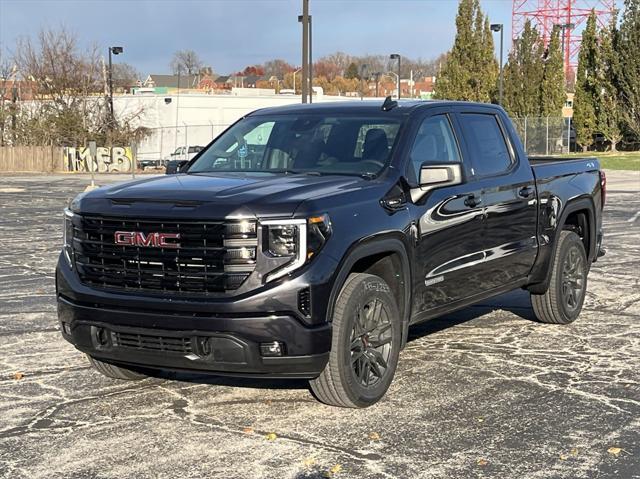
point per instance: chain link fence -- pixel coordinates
(549, 135)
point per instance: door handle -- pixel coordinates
(525, 192)
(472, 201)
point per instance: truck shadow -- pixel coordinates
(516, 302)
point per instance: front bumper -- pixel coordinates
(218, 336)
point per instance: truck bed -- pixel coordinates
(545, 167)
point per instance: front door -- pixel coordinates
(448, 222)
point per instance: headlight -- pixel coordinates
(67, 236)
(283, 240)
(296, 240)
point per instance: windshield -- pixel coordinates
(352, 145)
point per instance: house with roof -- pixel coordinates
(164, 83)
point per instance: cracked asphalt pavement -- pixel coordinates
(486, 392)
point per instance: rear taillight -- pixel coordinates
(603, 186)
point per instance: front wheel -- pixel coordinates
(562, 302)
(365, 344)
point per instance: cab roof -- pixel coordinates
(404, 107)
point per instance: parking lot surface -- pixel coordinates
(486, 392)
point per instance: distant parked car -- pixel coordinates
(160, 163)
(182, 153)
(185, 152)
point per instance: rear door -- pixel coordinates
(508, 194)
(447, 220)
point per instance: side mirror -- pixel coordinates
(434, 176)
(174, 166)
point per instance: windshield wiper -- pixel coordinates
(298, 172)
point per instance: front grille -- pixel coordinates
(213, 257)
(152, 343)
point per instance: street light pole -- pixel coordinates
(309, 59)
(396, 56)
(499, 27)
(565, 54)
(114, 51)
(305, 51)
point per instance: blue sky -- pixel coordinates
(230, 34)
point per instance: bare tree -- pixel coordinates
(125, 76)
(64, 79)
(277, 67)
(7, 94)
(185, 61)
(68, 107)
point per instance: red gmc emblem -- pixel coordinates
(138, 238)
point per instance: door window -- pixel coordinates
(435, 143)
(487, 144)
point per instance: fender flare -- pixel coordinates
(389, 243)
(580, 203)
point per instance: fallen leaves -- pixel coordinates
(616, 451)
(335, 470)
(309, 461)
(18, 375)
(572, 452)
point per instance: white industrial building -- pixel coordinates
(194, 118)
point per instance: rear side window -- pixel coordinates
(486, 143)
(434, 143)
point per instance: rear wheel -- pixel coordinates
(562, 302)
(365, 344)
(115, 372)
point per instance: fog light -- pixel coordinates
(102, 335)
(274, 348)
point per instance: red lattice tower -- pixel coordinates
(572, 14)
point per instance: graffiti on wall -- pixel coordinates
(116, 159)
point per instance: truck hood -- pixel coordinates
(213, 195)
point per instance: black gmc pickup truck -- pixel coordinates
(305, 240)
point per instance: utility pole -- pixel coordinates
(177, 108)
(305, 51)
(499, 27)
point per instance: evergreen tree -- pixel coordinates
(628, 48)
(352, 71)
(524, 73)
(609, 107)
(552, 93)
(587, 86)
(471, 70)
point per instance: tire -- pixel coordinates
(563, 301)
(355, 375)
(115, 372)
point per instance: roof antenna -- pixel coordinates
(389, 104)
